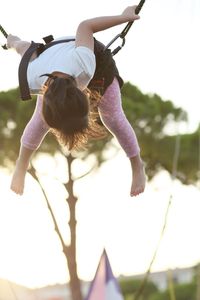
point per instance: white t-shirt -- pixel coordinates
(78, 62)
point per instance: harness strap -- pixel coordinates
(23, 66)
(22, 71)
(48, 45)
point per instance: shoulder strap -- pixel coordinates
(22, 71)
(23, 66)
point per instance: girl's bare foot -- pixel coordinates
(18, 179)
(139, 177)
(138, 182)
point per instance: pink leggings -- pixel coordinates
(111, 113)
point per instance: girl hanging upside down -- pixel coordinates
(60, 76)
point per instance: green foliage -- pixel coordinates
(182, 292)
(130, 286)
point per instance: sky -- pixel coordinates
(161, 55)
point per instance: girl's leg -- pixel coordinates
(32, 137)
(113, 117)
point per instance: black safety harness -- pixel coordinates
(105, 70)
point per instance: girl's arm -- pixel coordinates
(18, 179)
(16, 43)
(20, 46)
(84, 34)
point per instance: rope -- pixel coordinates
(3, 32)
(124, 31)
(5, 35)
(173, 176)
(128, 26)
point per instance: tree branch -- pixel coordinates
(33, 173)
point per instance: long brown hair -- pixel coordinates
(72, 114)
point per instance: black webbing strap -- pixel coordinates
(48, 45)
(22, 71)
(23, 66)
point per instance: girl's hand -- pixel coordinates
(130, 14)
(11, 40)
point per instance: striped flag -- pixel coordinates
(104, 285)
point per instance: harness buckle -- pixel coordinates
(119, 47)
(48, 39)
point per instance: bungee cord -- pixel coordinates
(3, 31)
(124, 32)
(5, 35)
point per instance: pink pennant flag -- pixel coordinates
(104, 285)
